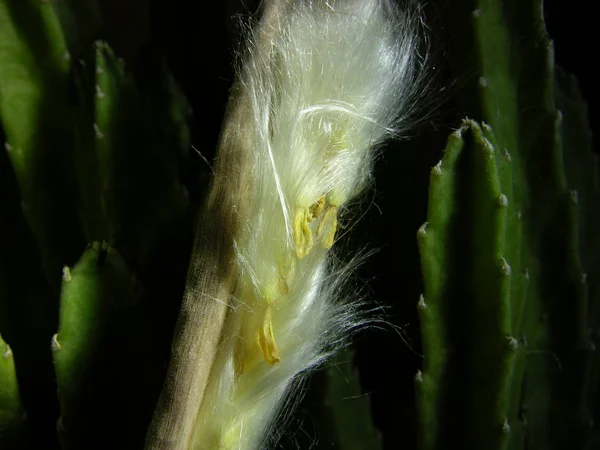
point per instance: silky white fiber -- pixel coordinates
(320, 85)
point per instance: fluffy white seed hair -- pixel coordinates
(321, 85)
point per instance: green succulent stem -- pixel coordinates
(506, 309)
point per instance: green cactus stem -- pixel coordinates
(581, 170)
(467, 228)
(27, 315)
(35, 112)
(509, 352)
(127, 156)
(100, 327)
(10, 401)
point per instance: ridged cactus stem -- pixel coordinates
(98, 323)
(471, 301)
(581, 169)
(10, 401)
(121, 203)
(540, 308)
(34, 71)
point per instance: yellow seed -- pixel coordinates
(302, 233)
(266, 339)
